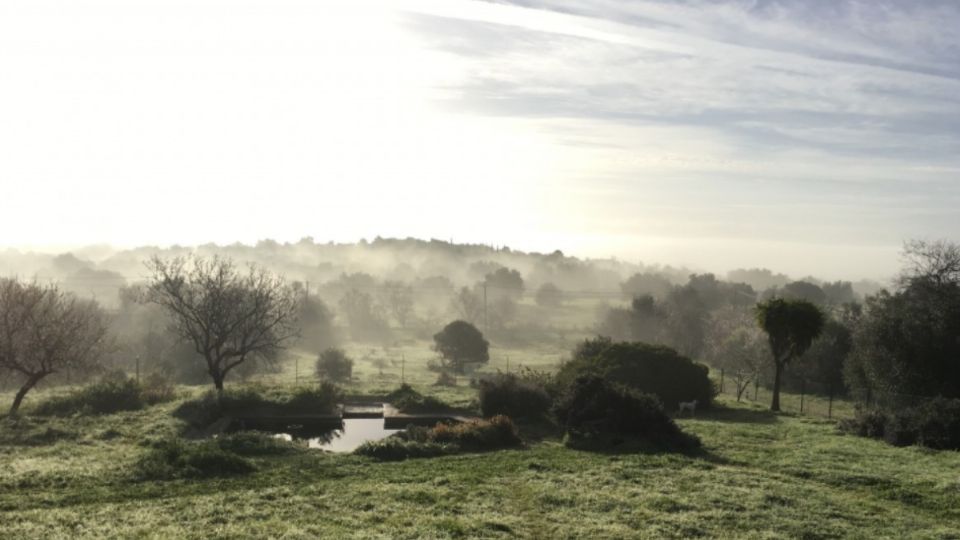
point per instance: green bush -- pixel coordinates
(649, 369)
(248, 401)
(157, 388)
(408, 400)
(319, 399)
(175, 458)
(333, 364)
(593, 408)
(114, 393)
(511, 395)
(934, 424)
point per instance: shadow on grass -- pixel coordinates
(615, 447)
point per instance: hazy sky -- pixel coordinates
(801, 135)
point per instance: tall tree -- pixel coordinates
(228, 314)
(791, 327)
(44, 330)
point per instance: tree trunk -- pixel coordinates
(775, 404)
(29, 384)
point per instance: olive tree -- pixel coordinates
(229, 314)
(460, 343)
(791, 327)
(44, 330)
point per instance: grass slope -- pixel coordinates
(760, 476)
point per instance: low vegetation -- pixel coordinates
(114, 392)
(597, 412)
(406, 399)
(513, 395)
(495, 433)
(934, 423)
(176, 458)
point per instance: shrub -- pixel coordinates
(408, 400)
(110, 395)
(934, 424)
(333, 364)
(592, 407)
(397, 449)
(247, 401)
(321, 398)
(509, 394)
(176, 458)
(497, 432)
(649, 369)
(157, 388)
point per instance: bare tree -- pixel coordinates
(936, 261)
(229, 315)
(44, 330)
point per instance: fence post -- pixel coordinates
(721, 380)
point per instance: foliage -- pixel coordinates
(477, 435)
(113, 393)
(460, 344)
(509, 394)
(935, 423)
(44, 330)
(652, 369)
(506, 281)
(210, 407)
(334, 365)
(591, 407)
(408, 400)
(315, 323)
(175, 458)
(791, 326)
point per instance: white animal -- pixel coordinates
(688, 406)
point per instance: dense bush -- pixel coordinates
(591, 407)
(114, 392)
(934, 424)
(651, 369)
(176, 458)
(495, 433)
(210, 407)
(334, 364)
(473, 436)
(513, 395)
(408, 400)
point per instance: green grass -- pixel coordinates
(760, 476)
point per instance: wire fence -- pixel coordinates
(805, 404)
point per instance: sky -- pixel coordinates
(806, 136)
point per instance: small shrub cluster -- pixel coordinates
(514, 396)
(398, 449)
(334, 364)
(474, 436)
(934, 424)
(477, 435)
(444, 378)
(25, 431)
(323, 397)
(113, 393)
(175, 458)
(246, 401)
(591, 408)
(408, 400)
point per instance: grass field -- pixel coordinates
(759, 476)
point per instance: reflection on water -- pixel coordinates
(352, 433)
